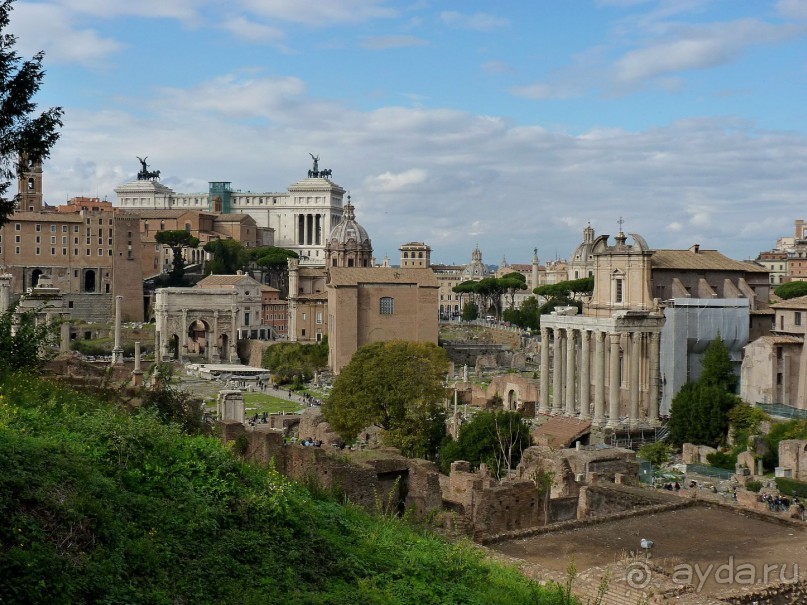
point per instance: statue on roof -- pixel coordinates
(316, 162)
(145, 174)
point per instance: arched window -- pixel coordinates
(188, 227)
(386, 305)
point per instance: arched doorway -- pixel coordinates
(224, 344)
(197, 337)
(35, 275)
(512, 399)
(89, 280)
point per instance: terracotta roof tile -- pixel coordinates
(350, 276)
(709, 260)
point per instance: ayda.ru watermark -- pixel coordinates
(732, 572)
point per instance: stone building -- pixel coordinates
(209, 319)
(90, 251)
(375, 304)
(415, 255)
(774, 367)
(642, 335)
(300, 218)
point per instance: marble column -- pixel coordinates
(214, 347)
(137, 373)
(117, 351)
(232, 354)
(570, 373)
(5, 292)
(543, 404)
(557, 366)
(585, 375)
(613, 392)
(599, 379)
(653, 383)
(183, 338)
(635, 356)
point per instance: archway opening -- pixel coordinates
(197, 337)
(89, 280)
(512, 399)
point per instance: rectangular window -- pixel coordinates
(53, 250)
(75, 228)
(64, 228)
(17, 250)
(89, 252)
(246, 318)
(38, 228)
(52, 239)
(37, 251)
(17, 239)
(16, 226)
(618, 291)
(64, 251)
(797, 318)
(53, 228)
(319, 317)
(100, 251)
(386, 305)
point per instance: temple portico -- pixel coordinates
(605, 369)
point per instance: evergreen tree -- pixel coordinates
(717, 368)
(24, 136)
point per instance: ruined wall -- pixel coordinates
(603, 500)
(508, 506)
(793, 455)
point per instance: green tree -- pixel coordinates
(295, 362)
(657, 453)
(24, 136)
(717, 368)
(792, 289)
(177, 240)
(229, 256)
(700, 414)
(173, 404)
(528, 315)
(470, 311)
(494, 438)
(26, 343)
(511, 283)
(274, 263)
(398, 386)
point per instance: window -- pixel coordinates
(64, 228)
(797, 318)
(618, 294)
(16, 226)
(38, 228)
(386, 305)
(319, 317)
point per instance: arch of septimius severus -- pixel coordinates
(603, 365)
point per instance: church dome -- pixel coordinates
(475, 270)
(348, 230)
(348, 244)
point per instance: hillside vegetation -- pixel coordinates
(100, 505)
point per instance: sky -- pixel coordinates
(511, 125)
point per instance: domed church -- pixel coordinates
(348, 244)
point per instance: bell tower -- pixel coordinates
(30, 185)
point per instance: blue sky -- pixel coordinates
(509, 124)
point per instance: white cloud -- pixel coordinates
(497, 67)
(332, 12)
(389, 182)
(483, 22)
(252, 31)
(184, 10)
(697, 47)
(387, 42)
(50, 27)
(794, 9)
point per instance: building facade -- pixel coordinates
(300, 218)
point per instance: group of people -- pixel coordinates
(312, 443)
(259, 419)
(780, 504)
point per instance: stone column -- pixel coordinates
(117, 351)
(232, 354)
(183, 338)
(137, 373)
(64, 336)
(599, 379)
(570, 374)
(543, 404)
(557, 366)
(585, 375)
(214, 348)
(613, 392)
(635, 354)
(652, 403)
(5, 292)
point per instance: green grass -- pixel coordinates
(261, 402)
(100, 505)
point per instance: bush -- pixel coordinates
(791, 487)
(752, 485)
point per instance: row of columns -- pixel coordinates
(572, 390)
(309, 229)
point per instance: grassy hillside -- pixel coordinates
(98, 505)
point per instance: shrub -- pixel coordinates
(791, 487)
(752, 485)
